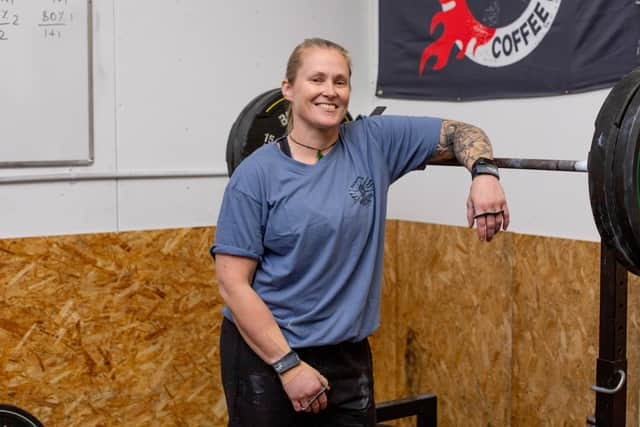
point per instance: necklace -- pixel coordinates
(318, 150)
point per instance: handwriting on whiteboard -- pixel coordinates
(49, 18)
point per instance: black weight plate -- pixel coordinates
(605, 166)
(616, 222)
(238, 134)
(600, 159)
(11, 416)
(261, 121)
(626, 183)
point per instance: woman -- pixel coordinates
(299, 246)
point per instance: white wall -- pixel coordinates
(171, 76)
(65, 208)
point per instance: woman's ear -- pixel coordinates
(286, 89)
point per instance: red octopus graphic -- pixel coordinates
(459, 25)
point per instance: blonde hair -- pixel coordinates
(295, 61)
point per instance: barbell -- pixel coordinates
(612, 164)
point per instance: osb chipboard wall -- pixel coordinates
(505, 333)
(454, 322)
(111, 329)
(384, 341)
(555, 332)
(122, 329)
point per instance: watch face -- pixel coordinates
(488, 169)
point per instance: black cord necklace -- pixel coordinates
(318, 150)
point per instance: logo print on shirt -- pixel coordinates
(362, 190)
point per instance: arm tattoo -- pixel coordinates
(466, 142)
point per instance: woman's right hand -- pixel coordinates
(302, 384)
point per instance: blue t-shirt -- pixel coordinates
(317, 231)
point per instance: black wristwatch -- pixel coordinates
(484, 166)
(289, 361)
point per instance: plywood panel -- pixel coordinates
(111, 329)
(384, 341)
(122, 329)
(633, 351)
(454, 321)
(555, 332)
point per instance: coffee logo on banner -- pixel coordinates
(491, 46)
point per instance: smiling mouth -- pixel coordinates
(327, 107)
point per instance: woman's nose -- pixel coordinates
(329, 89)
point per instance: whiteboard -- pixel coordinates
(46, 105)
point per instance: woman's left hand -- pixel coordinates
(305, 388)
(487, 206)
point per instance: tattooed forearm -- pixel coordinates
(465, 142)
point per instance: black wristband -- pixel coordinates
(484, 166)
(289, 361)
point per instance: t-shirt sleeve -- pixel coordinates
(406, 142)
(239, 231)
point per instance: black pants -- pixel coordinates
(255, 396)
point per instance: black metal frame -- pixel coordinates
(612, 357)
(423, 406)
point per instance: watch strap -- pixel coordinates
(287, 362)
(484, 166)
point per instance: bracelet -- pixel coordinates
(287, 362)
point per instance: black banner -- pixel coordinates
(484, 49)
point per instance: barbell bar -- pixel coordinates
(531, 164)
(612, 165)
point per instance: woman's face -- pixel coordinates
(319, 96)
